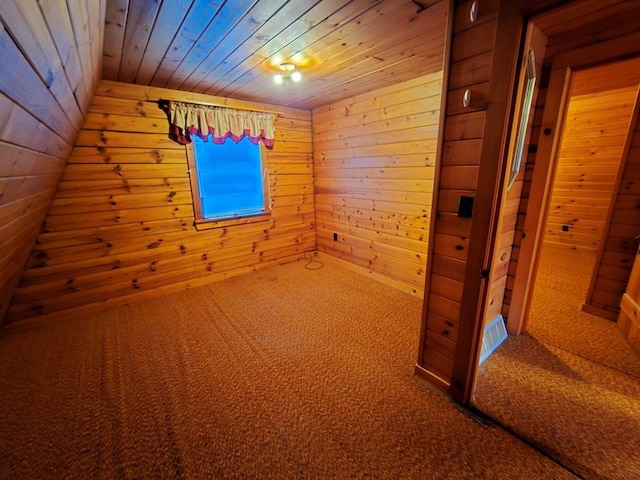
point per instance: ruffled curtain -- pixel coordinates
(186, 119)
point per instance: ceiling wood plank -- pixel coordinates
(284, 47)
(169, 20)
(114, 25)
(140, 21)
(608, 26)
(26, 88)
(369, 47)
(607, 77)
(59, 24)
(79, 16)
(29, 29)
(554, 20)
(235, 36)
(620, 10)
(200, 16)
(366, 60)
(287, 16)
(95, 11)
(232, 49)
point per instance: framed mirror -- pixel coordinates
(525, 110)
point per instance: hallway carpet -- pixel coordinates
(570, 385)
(557, 317)
(285, 373)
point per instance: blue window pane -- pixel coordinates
(229, 178)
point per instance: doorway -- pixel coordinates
(596, 126)
(582, 413)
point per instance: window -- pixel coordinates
(229, 183)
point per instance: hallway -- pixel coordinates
(570, 385)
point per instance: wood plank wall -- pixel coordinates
(617, 253)
(120, 227)
(596, 127)
(50, 59)
(375, 158)
(470, 67)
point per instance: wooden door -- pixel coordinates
(629, 317)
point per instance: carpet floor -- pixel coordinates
(557, 318)
(284, 373)
(570, 385)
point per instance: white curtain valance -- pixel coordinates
(188, 119)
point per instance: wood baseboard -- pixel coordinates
(410, 289)
(433, 379)
(97, 307)
(600, 312)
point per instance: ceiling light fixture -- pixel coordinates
(289, 74)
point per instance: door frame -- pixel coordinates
(510, 19)
(541, 183)
(563, 64)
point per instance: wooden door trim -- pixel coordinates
(548, 144)
(535, 218)
(475, 292)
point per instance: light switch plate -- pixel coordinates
(465, 206)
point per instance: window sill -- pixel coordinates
(228, 222)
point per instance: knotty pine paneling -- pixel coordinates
(617, 253)
(374, 165)
(596, 127)
(120, 227)
(50, 63)
(469, 67)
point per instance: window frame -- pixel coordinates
(202, 223)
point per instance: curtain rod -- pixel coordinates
(207, 104)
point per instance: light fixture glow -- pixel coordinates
(289, 74)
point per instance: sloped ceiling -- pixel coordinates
(232, 48)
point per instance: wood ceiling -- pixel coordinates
(232, 48)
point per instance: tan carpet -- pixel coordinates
(582, 414)
(556, 311)
(552, 387)
(285, 373)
